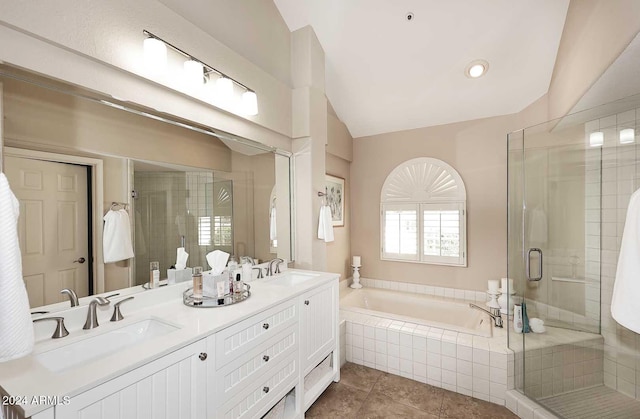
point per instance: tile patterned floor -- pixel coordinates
(364, 393)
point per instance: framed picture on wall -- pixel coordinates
(335, 199)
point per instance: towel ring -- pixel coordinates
(115, 205)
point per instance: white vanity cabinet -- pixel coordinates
(256, 363)
(171, 387)
(318, 311)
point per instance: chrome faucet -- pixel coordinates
(494, 313)
(270, 270)
(92, 316)
(247, 259)
(117, 315)
(73, 297)
(60, 331)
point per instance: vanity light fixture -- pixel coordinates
(196, 72)
(627, 136)
(596, 139)
(476, 69)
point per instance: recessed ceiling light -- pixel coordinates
(477, 68)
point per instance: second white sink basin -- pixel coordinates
(92, 348)
(289, 278)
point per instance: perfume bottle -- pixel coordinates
(154, 274)
(197, 285)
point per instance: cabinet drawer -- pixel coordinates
(259, 395)
(241, 338)
(238, 374)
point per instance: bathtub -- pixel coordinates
(418, 309)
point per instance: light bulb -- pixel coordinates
(250, 103)
(596, 139)
(155, 55)
(476, 70)
(627, 136)
(224, 88)
(193, 73)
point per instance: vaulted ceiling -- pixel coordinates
(386, 73)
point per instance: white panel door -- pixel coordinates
(318, 314)
(53, 225)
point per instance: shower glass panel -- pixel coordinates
(567, 199)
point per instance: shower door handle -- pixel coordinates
(529, 277)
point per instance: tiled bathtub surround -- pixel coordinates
(471, 365)
(452, 293)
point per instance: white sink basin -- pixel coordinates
(90, 349)
(289, 278)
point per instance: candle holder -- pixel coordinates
(356, 277)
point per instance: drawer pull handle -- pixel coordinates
(202, 356)
(306, 302)
(265, 389)
(265, 326)
(266, 358)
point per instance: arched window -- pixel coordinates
(423, 214)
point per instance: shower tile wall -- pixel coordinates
(620, 178)
(168, 206)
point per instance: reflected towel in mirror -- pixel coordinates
(16, 328)
(116, 238)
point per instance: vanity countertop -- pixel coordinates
(27, 379)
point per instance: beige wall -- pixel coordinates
(338, 163)
(36, 116)
(339, 251)
(477, 150)
(261, 35)
(595, 34)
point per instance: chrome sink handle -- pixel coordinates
(259, 271)
(117, 315)
(92, 316)
(73, 297)
(60, 331)
(270, 270)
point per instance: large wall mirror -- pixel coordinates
(72, 155)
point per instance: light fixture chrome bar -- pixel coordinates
(186, 54)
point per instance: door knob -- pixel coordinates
(81, 260)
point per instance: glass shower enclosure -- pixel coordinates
(569, 184)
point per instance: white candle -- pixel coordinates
(493, 285)
(504, 284)
(356, 261)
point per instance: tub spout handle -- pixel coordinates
(494, 313)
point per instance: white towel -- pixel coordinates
(626, 289)
(16, 328)
(325, 224)
(273, 228)
(116, 239)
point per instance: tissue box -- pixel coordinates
(178, 275)
(209, 281)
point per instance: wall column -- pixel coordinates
(309, 142)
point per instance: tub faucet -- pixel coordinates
(494, 313)
(92, 316)
(270, 271)
(73, 297)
